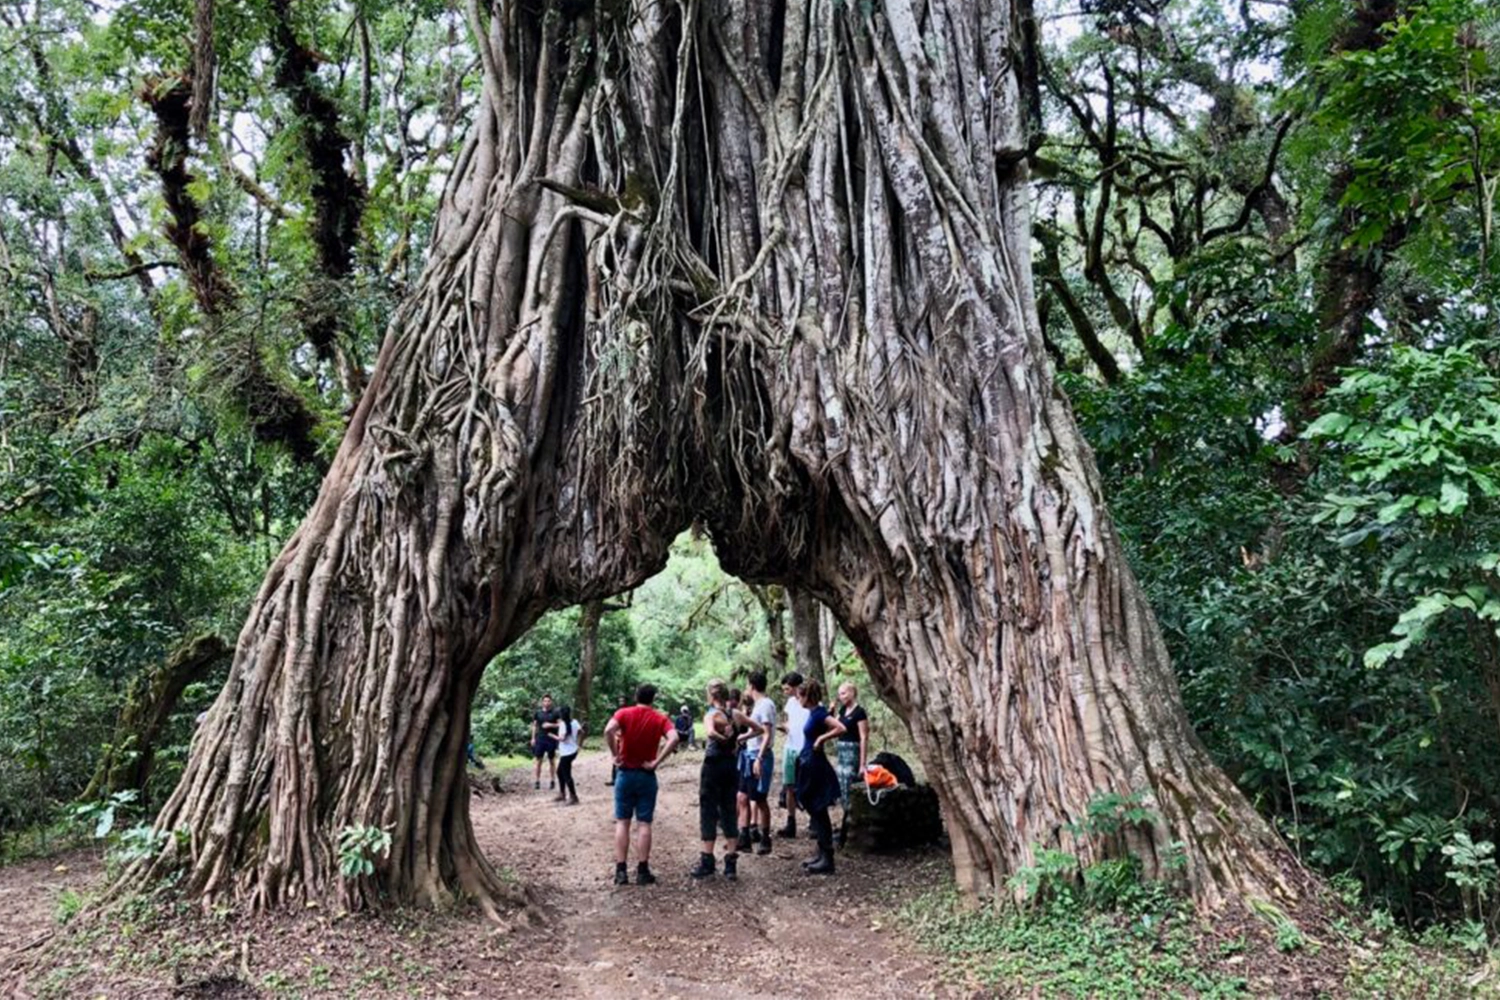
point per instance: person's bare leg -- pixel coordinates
(552, 768)
(622, 839)
(642, 842)
(536, 778)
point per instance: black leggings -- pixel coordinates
(718, 790)
(822, 827)
(565, 784)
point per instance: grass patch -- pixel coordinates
(1062, 950)
(501, 763)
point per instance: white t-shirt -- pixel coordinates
(763, 712)
(796, 722)
(568, 741)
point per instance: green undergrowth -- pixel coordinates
(1149, 944)
(1063, 949)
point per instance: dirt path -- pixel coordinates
(774, 934)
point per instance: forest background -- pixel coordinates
(1263, 239)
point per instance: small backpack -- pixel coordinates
(896, 766)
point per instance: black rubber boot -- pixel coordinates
(823, 865)
(765, 844)
(742, 845)
(790, 829)
(643, 874)
(731, 867)
(815, 859)
(621, 877)
(705, 868)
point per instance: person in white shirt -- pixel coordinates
(796, 722)
(568, 732)
(757, 765)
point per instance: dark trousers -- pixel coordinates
(718, 791)
(565, 784)
(822, 828)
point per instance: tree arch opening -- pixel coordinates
(769, 275)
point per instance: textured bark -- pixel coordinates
(338, 191)
(149, 704)
(762, 269)
(590, 615)
(773, 606)
(807, 640)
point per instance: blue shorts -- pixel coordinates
(757, 789)
(635, 794)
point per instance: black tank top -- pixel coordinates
(720, 747)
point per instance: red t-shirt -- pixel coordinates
(641, 731)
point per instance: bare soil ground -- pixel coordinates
(775, 933)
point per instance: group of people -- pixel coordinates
(555, 737)
(738, 770)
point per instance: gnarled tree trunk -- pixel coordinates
(149, 703)
(763, 266)
(807, 637)
(591, 614)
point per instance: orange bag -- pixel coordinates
(878, 777)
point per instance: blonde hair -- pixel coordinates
(718, 691)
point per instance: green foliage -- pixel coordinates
(1418, 442)
(1418, 110)
(1107, 813)
(1064, 951)
(359, 846)
(101, 815)
(69, 904)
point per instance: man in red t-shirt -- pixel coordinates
(639, 738)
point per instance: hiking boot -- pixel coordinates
(755, 835)
(643, 874)
(840, 839)
(551, 785)
(621, 878)
(705, 867)
(821, 865)
(764, 847)
(731, 869)
(573, 800)
(537, 785)
(742, 845)
(788, 831)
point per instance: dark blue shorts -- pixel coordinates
(635, 794)
(756, 789)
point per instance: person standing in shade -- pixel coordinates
(569, 730)
(796, 720)
(639, 739)
(756, 767)
(544, 741)
(718, 781)
(853, 747)
(817, 784)
(684, 724)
